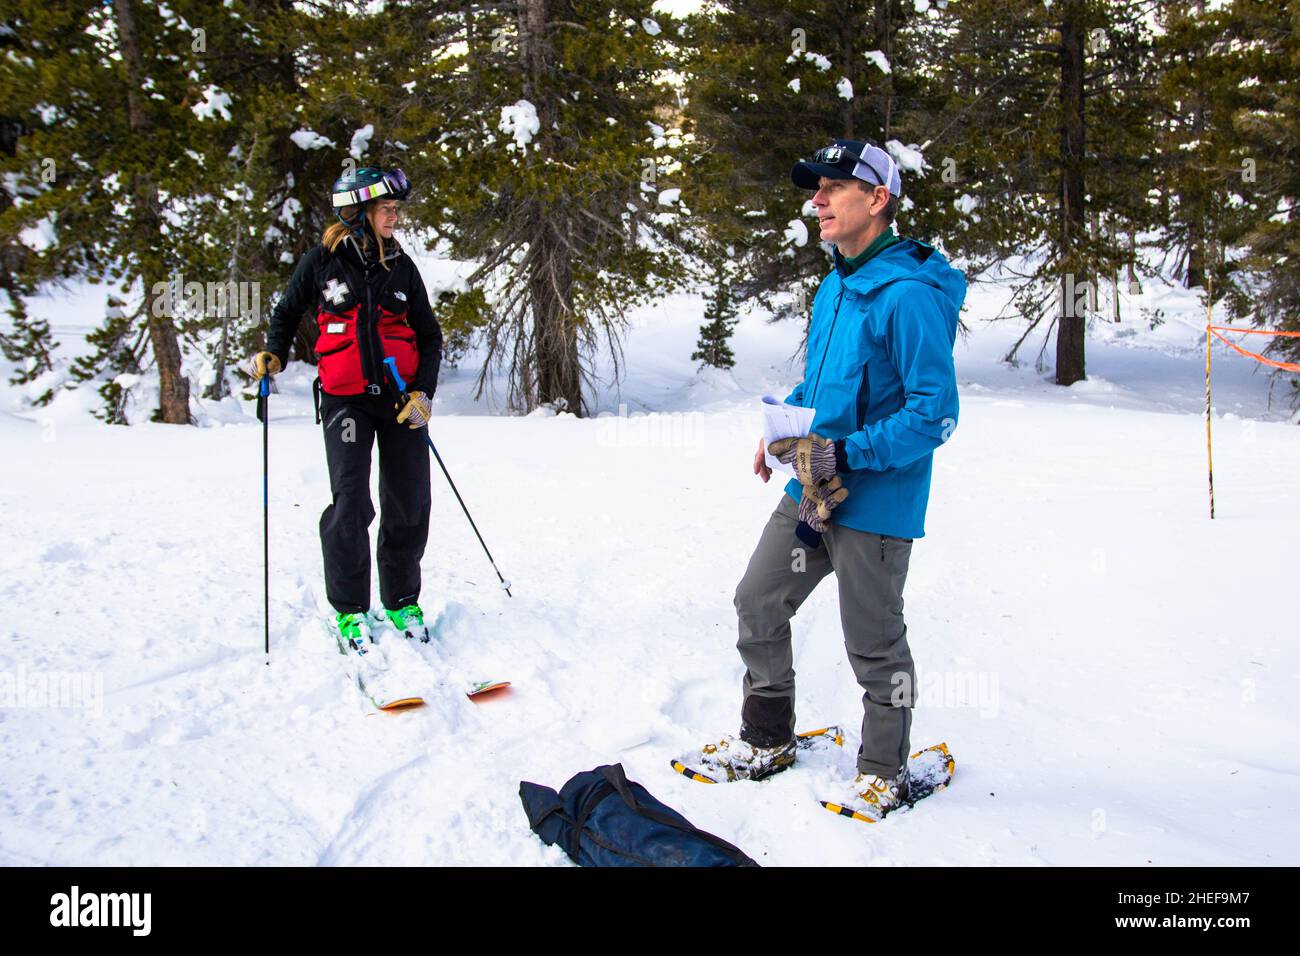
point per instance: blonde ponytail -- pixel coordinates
(336, 232)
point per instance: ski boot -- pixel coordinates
(353, 632)
(409, 620)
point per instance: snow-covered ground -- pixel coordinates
(1116, 675)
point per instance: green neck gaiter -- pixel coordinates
(879, 244)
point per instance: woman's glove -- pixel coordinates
(264, 364)
(417, 410)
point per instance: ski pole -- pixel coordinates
(401, 387)
(263, 402)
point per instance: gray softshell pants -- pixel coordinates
(871, 570)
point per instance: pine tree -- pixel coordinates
(713, 347)
(159, 149)
(554, 160)
(771, 82)
(102, 89)
(1045, 127)
(1264, 166)
(1196, 145)
(118, 344)
(30, 345)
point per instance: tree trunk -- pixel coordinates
(173, 388)
(556, 373)
(846, 57)
(1195, 277)
(13, 255)
(219, 388)
(1071, 326)
(883, 14)
(1134, 287)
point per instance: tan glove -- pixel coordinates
(418, 410)
(812, 456)
(819, 501)
(264, 364)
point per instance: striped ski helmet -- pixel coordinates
(367, 183)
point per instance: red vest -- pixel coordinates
(361, 325)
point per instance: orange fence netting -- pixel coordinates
(1287, 366)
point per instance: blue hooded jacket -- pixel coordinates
(880, 374)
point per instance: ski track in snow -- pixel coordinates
(1139, 695)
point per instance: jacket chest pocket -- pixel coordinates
(854, 354)
(851, 349)
(392, 304)
(337, 331)
(392, 316)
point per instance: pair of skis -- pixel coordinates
(930, 771)
(378, 687)
(477, 691)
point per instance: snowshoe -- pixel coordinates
(928, 771)
(732, 759)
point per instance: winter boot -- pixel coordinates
(732, 759)
(409, 620)
(874, 796)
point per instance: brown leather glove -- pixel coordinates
(264, 364)
(812, 456)
(417, 410)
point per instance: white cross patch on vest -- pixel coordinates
(335, 291)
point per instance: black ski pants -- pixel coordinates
(351, 423)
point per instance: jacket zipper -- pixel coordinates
(367, 327)
(826, 347)
(374, 329)
(368, 337)
(370, 325)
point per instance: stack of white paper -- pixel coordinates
(784, 421)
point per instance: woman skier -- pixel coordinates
(371, 305)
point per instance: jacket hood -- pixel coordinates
(907, 259)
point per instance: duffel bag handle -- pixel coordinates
(617, 778)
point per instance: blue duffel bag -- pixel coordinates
(600, 818)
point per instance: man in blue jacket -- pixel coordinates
(879, 373)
